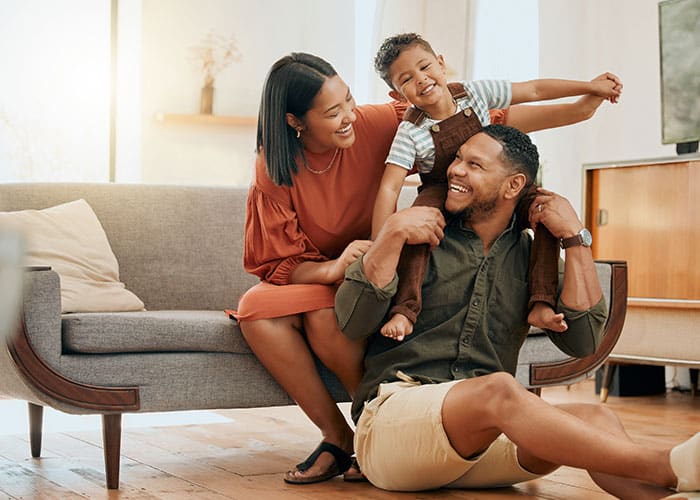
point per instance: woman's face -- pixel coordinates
(328, 124)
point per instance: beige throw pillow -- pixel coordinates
(71, 240)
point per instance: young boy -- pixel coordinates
(442, 118)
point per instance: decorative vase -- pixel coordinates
(206, 103)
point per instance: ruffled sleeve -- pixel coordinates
(274, 243)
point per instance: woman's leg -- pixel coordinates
(280, 346)
(545, 435)
(342, 356)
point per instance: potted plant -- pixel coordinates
(214, 54)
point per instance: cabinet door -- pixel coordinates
(648, 215)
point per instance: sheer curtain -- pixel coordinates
(448, 25)
(54, 94)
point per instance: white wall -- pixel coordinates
(581, 39)
(265, 30)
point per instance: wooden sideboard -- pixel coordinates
(648, 214)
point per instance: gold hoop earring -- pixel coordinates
(298, 133)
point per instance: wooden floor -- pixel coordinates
(243, 454)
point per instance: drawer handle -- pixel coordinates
(601, 217)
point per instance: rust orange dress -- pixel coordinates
(316, 218)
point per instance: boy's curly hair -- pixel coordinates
(391, 49)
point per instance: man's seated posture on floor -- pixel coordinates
(442, 408)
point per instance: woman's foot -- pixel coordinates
(543, 316)
(397, 327)
(325, 462)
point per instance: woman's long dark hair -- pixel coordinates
(290, 87)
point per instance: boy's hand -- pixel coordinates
(607, 86)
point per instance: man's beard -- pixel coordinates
(479, 210)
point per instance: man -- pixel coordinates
(441, 408)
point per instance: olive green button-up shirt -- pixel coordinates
(474, 316)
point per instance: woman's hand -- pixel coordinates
(351, 253)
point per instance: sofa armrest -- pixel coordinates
(41, 312)
(613, 275)
(36, 350)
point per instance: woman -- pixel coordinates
(319, 164)
(308, 216)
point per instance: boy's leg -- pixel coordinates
(413, 261)
(544, 270)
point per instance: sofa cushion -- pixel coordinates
(151, 331)
(70, 239)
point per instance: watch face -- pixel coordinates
(586, 238)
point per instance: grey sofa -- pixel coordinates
(180, 250)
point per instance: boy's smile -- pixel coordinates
(419, 78)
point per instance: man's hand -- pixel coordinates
(411, 226)
(418, 225)
(556, 213)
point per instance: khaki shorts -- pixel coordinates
(402, 446)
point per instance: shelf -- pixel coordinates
(236, 121)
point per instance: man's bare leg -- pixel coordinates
(607, 421)
(545, 434)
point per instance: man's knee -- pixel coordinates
(499, 390)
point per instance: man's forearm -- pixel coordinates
(581, 289)
(382, 258)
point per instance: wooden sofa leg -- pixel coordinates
(36, 425)
(693, 381)
(111, 442)
(608, 373)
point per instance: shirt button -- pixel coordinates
(476, 302)
(435, 128)
(468, 112)
(456, 369)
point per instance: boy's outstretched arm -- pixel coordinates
(532, 118)
(608, 87)
(387, 196)
(528, 118)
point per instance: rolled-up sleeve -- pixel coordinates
(360, 306)
(585, 331)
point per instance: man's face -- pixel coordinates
(476, 178)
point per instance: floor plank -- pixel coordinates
(241, 454)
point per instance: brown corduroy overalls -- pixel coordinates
(448, 135)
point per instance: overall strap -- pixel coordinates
(416, 116)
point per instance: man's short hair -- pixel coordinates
(391, 49)
(518, 150)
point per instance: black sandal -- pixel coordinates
(342, 463)
(355, 477)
